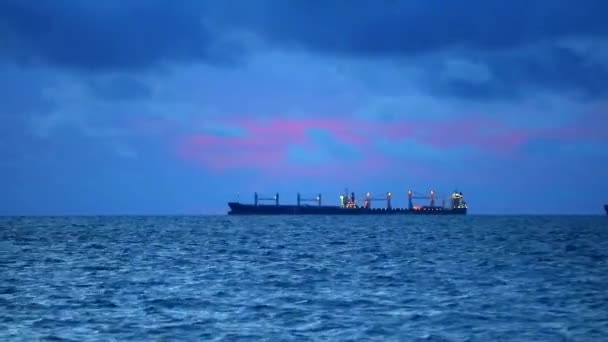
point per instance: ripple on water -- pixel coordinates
(379, 278)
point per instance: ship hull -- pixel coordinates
(250, 209)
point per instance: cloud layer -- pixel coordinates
(151, 98)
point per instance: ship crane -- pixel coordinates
(257, 199)
(415, 195)
(369, 199)
(315, 199)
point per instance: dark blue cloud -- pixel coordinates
(517, 40)
(395, 28)
(113, 34)
(109, 34)
(519, 73)
(556, 68)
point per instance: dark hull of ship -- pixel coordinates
(250, 209)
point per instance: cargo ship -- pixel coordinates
(348, 206)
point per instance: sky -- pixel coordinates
(177, 107)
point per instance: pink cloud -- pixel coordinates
(261, 147)
(480, 132)
(397, 131)
(264, 146)
(265, 143)
(589, 127)
(296, 130)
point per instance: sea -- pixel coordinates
(225, 278)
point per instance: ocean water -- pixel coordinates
(473, 278)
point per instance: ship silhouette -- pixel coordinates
(349, 206)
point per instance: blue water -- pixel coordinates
(316, 278)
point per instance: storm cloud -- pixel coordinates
(396, 28)
(109, 35)
(520, 46)
(520, 43)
